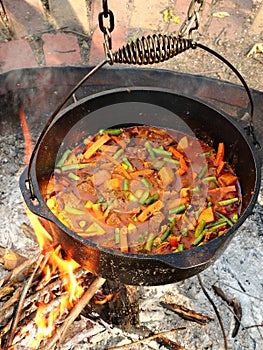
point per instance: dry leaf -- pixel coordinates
(221, 14)
(169, 16)
(257, 48)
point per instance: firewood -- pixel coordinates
(74, 313)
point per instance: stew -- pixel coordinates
(144, 189)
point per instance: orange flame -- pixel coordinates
(72, 290)
(27, 137)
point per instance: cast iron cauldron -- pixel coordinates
(140, 106)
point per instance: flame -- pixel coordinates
(72, 290)
(27, 138)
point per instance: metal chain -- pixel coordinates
(106, 15)
(193, 18)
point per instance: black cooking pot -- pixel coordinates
(140, 106)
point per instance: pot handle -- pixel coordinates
(34, 205)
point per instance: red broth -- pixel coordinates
(145, 190)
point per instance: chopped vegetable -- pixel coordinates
(150, 210)
(128, 163)
(220, 154)
(118, 153)
(64, 158)
(177, 210)
(200, 228)
(149, 242)
(77, 166)
(96, 145)
(149, 148)
(161, 152)
(228, 201)
(73, 176)
(207, 215)
(126, 184)
(145, 190)
(152, 199)
(115, 132)
(95, 228)
(146, 182)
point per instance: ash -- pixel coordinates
(238, 273)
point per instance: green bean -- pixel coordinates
(118, 153)
(128, 163)
(165, 234)
(228, 201)
(149, 148)
(77, 166)
(149, 242)
(63, 158)
(73, 176)
(200, 228)
(145, 182)
(161, 152)
(126, 184)
(152, 199)
(203, 171)
(114, 132)
(230, 223)
(177, 210)
(144, 197)
(198, 239)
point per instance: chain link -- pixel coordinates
(192, 21)
(106, 16)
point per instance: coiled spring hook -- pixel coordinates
(151, 49)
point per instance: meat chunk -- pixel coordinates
(167, 176)
(100, 177)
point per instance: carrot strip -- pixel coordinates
(145, 172)
(220, 167)
(96, 145)
(223, 189)
(150, 210)
(183, 165)
(220, 153)
(175, 153)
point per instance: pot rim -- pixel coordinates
(209, 245)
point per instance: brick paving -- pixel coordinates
(30, 22)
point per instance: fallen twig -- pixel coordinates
(215, 309)
(187, 314)
(234, 303)
(152, 337)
